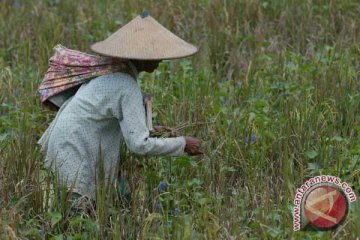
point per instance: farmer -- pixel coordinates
(101, 105)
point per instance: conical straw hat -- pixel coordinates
(143, 38)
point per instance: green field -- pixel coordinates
(287, 71)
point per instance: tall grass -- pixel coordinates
(286, 71)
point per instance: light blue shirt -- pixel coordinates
(93, 124)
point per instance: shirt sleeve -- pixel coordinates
(135, 132)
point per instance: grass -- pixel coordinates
(287, 71)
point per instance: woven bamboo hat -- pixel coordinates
(143, 38)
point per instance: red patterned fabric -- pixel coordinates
(69, 68)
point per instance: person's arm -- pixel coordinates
(135, 132)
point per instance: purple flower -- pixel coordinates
(176, 212)
(162, 186)
(249, 140)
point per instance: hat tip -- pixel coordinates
(144, 14)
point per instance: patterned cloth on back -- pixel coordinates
(69, 68)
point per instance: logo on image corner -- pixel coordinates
(322, 203)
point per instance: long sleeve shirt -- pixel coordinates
(93, 124)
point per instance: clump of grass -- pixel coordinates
(285, 71)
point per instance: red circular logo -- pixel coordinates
(325, 207)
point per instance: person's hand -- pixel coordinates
(192, 146)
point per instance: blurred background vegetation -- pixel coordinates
(273, 94)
